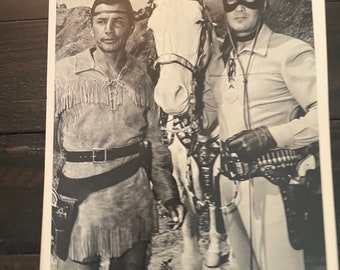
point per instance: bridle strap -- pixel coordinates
(186, 127)
(171, 58)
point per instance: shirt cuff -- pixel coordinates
(282, 135)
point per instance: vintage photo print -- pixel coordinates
(188, 134)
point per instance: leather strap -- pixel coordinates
(100, 155)
(80, 188)
(170, 58)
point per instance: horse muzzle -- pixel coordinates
(172, 95)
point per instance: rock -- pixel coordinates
(292, 17)
(73, 34)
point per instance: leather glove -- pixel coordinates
(177, 212)
(249, 144)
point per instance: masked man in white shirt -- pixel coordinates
(263, 85)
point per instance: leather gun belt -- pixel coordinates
(99, 155)
(81, 188)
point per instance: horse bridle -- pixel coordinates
(187, 126)
(171, 58)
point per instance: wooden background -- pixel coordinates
(23, 65)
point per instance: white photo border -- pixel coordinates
(320, 44)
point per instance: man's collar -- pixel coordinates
(262, 43)
(84, 61)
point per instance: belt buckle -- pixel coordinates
(97, 153)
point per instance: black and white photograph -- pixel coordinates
(188, 135)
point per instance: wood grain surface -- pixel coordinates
(23, 65)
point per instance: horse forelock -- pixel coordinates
(179, 27)
(176, 29)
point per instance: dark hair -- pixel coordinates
(126, 3)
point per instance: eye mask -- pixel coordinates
(230, 5)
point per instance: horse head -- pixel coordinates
(183, 35)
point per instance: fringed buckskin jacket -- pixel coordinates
(95, 111)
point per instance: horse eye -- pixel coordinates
(200, 21)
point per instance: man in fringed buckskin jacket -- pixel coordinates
(104, 111)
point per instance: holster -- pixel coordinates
(64, 213)
(303, 208)
(279, 167)
(295, 200)
(72, 192)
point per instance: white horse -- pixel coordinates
(183, 48)
(171, 23)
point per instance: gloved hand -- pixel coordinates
(249, 144)
(177, 212)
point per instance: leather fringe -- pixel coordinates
(110, 242)
(91, 91)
